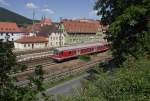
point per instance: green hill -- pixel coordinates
(9, 16)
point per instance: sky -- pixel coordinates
(54, 9)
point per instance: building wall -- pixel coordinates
(54, 39)
(12, 36)
(77, 38)
(25, 46)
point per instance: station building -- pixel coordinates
(10, 31)
(31, 42)
(82, 31)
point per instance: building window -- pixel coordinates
(24, 45)
(28, 45)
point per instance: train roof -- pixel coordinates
(80, 46)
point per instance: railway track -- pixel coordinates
(31, 51)
(29, 57)
(48, 67)
(61, 74)
(30, 71)
(31, 65)
(35, 61)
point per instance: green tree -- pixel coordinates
(123, 84)
(9, 91)
(129, 22)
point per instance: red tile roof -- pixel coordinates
(74, 26)
(32, 39)
(40, 29)
(7, 27)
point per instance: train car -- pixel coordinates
(63, 53)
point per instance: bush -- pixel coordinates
(125, 84)
(85, 58)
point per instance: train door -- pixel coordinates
(95, 49)
(78, 52)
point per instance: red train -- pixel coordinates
(64, 53)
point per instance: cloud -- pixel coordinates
(3, 2)
(92, 13)
(47, 10)
(45, 6)
(31, 5)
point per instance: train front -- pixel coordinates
(55, 55)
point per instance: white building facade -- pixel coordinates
(10, 31)
(56, 39)
(31, 42)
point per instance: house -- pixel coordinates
(31, 42)
(82, 31)
(9, 31)
(45, 29)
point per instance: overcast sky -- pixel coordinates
(53, 9)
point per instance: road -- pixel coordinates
(67, 87)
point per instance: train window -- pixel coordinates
(60, 53)
(70, 52)
(55, 51)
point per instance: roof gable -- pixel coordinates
(9, 27)
(32, 39)
(81, 26)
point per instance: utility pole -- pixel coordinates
(33, 21)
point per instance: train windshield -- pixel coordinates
(55, 51)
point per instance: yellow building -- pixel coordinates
(82, 31)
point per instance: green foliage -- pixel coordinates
(8, 90)
(23, 68)
(84, 58)
(129, 83)
(129, 26)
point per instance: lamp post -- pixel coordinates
(61, 28)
